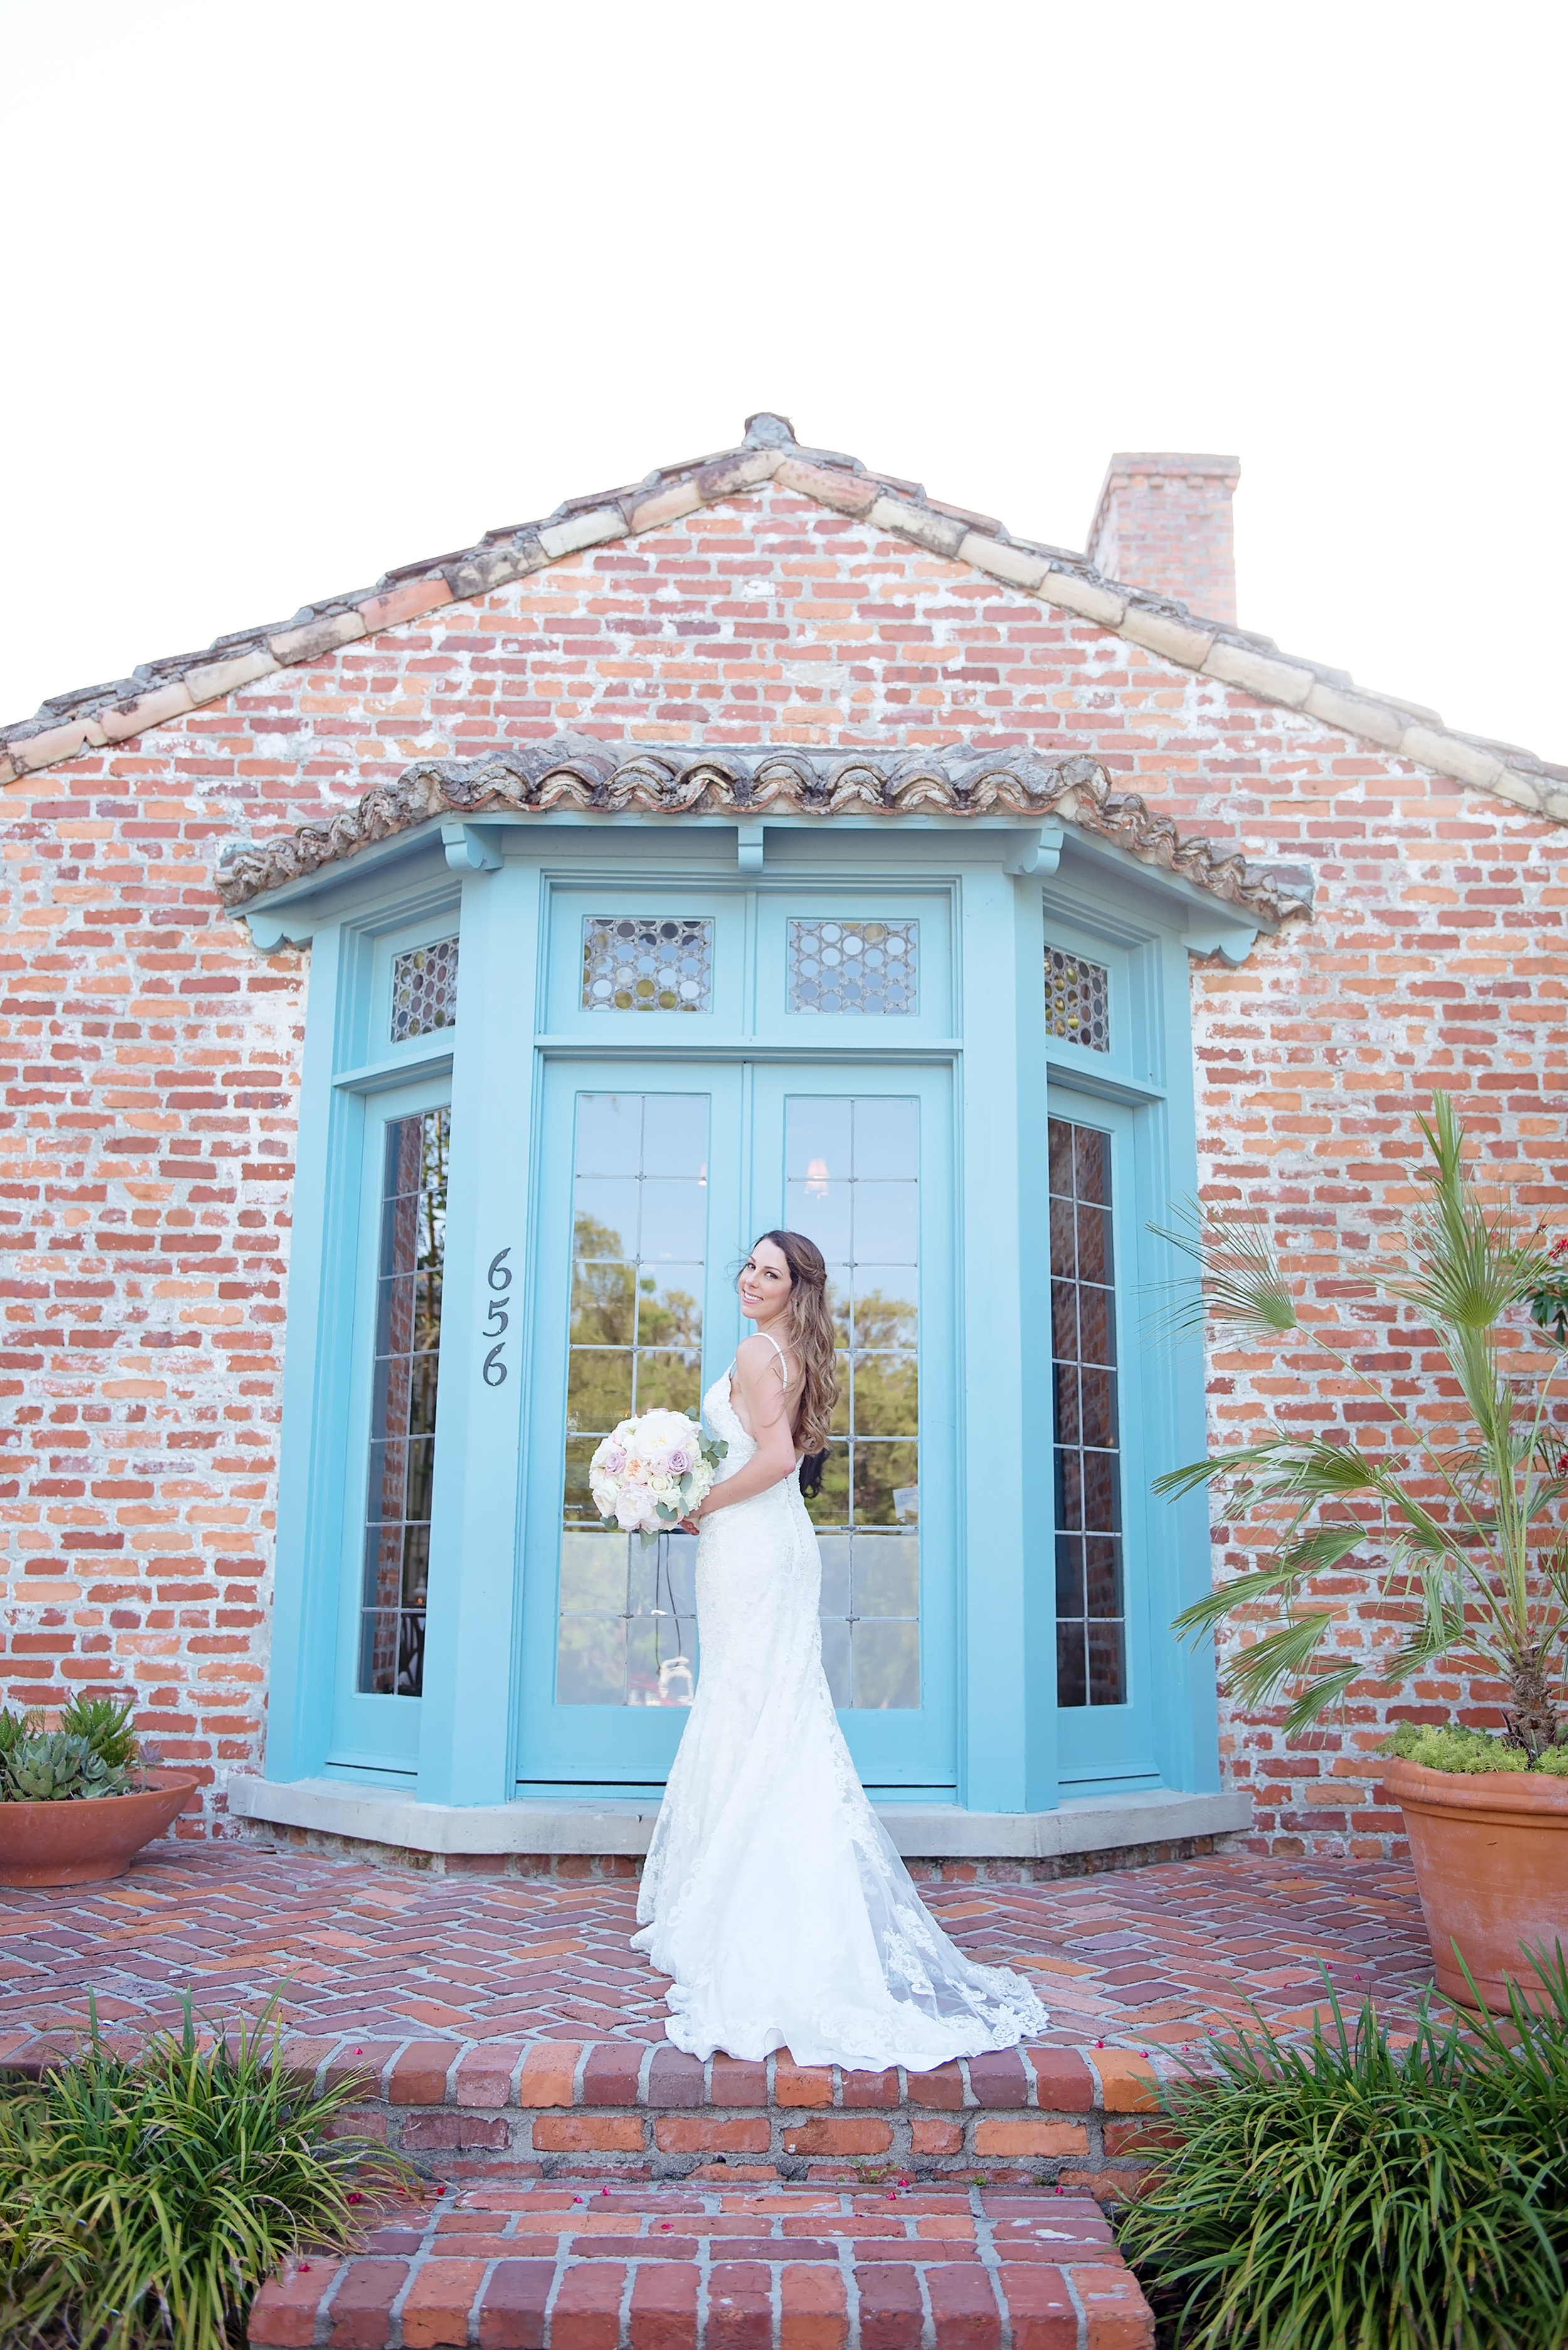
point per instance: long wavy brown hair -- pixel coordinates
(810, 1325)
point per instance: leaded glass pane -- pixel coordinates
(647, 966)
(860, 967)
(424, 990)
(1091, 1638)
(404, 1404)
(851, 1184)
(1077, 1001)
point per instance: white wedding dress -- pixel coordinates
(773, 1894)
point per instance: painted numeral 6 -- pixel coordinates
(500, 1273)
(495, 1371)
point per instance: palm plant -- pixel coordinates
(1470, 1529)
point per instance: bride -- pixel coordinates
(773, 1894)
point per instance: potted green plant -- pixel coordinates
(79, 1800)
(1462, 1519)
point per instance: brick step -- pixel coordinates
(533, 2265)
(1041, 2116)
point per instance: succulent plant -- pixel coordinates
(14, 1729)
(106, 1726)
(53, 1766)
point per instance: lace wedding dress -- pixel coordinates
(773, 1894)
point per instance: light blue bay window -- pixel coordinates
(558, 1074)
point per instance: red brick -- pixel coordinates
(840, 2134)
(801, 2084)
(872, 2089)
(548, 2070)
(998, 2078)
(813, 2309)
(361, 2303)
(610, 2074)
(283, 2314)
(740, 2306)
(436, 2306)
(891, 2314)
(588, 2134)
(512, 2314)
(1041, 2308)
(586, 2315)
(943, 2085)
(964, 2306)
(1015, 2136)
(1128, 2083)
(664, 2305)
(1063, 2083)
(738, 2084)
(704, 2134)
(1141, 2137)
(936, 2137)
(484, 2075)
(674, 2079)
(1119, 2316)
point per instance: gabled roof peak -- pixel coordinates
(160, 691)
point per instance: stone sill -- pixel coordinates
(566, 1825)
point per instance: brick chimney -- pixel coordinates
(1163, 522)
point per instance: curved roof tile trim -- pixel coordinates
(604, 779)
(163, 689)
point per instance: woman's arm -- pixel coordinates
(759, 1376)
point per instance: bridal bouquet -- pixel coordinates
(650, 1471)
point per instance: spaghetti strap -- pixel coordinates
(784, 1358)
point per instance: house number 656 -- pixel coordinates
(500, 1279)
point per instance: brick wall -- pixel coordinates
(150, 1055)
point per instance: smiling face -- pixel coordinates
(764, 1284)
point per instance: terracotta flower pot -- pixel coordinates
(1491, 1850)
(82, 1842)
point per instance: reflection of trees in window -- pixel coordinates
(871, 1475)
(626, 1632)
(635, 1342)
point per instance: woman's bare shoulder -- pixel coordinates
(755, 1354)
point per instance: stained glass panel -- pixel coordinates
(647, 966)
(1077, 1001)
(859, 967)
(424, 990)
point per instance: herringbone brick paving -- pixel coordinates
(1140, 1957)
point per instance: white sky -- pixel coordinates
(299, 293)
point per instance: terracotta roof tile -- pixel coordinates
(606, 778)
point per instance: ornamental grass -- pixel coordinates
(143, 2200)
(1351, 2195)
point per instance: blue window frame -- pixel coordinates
(446, 1617)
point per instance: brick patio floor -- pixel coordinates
(1140, 1957)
